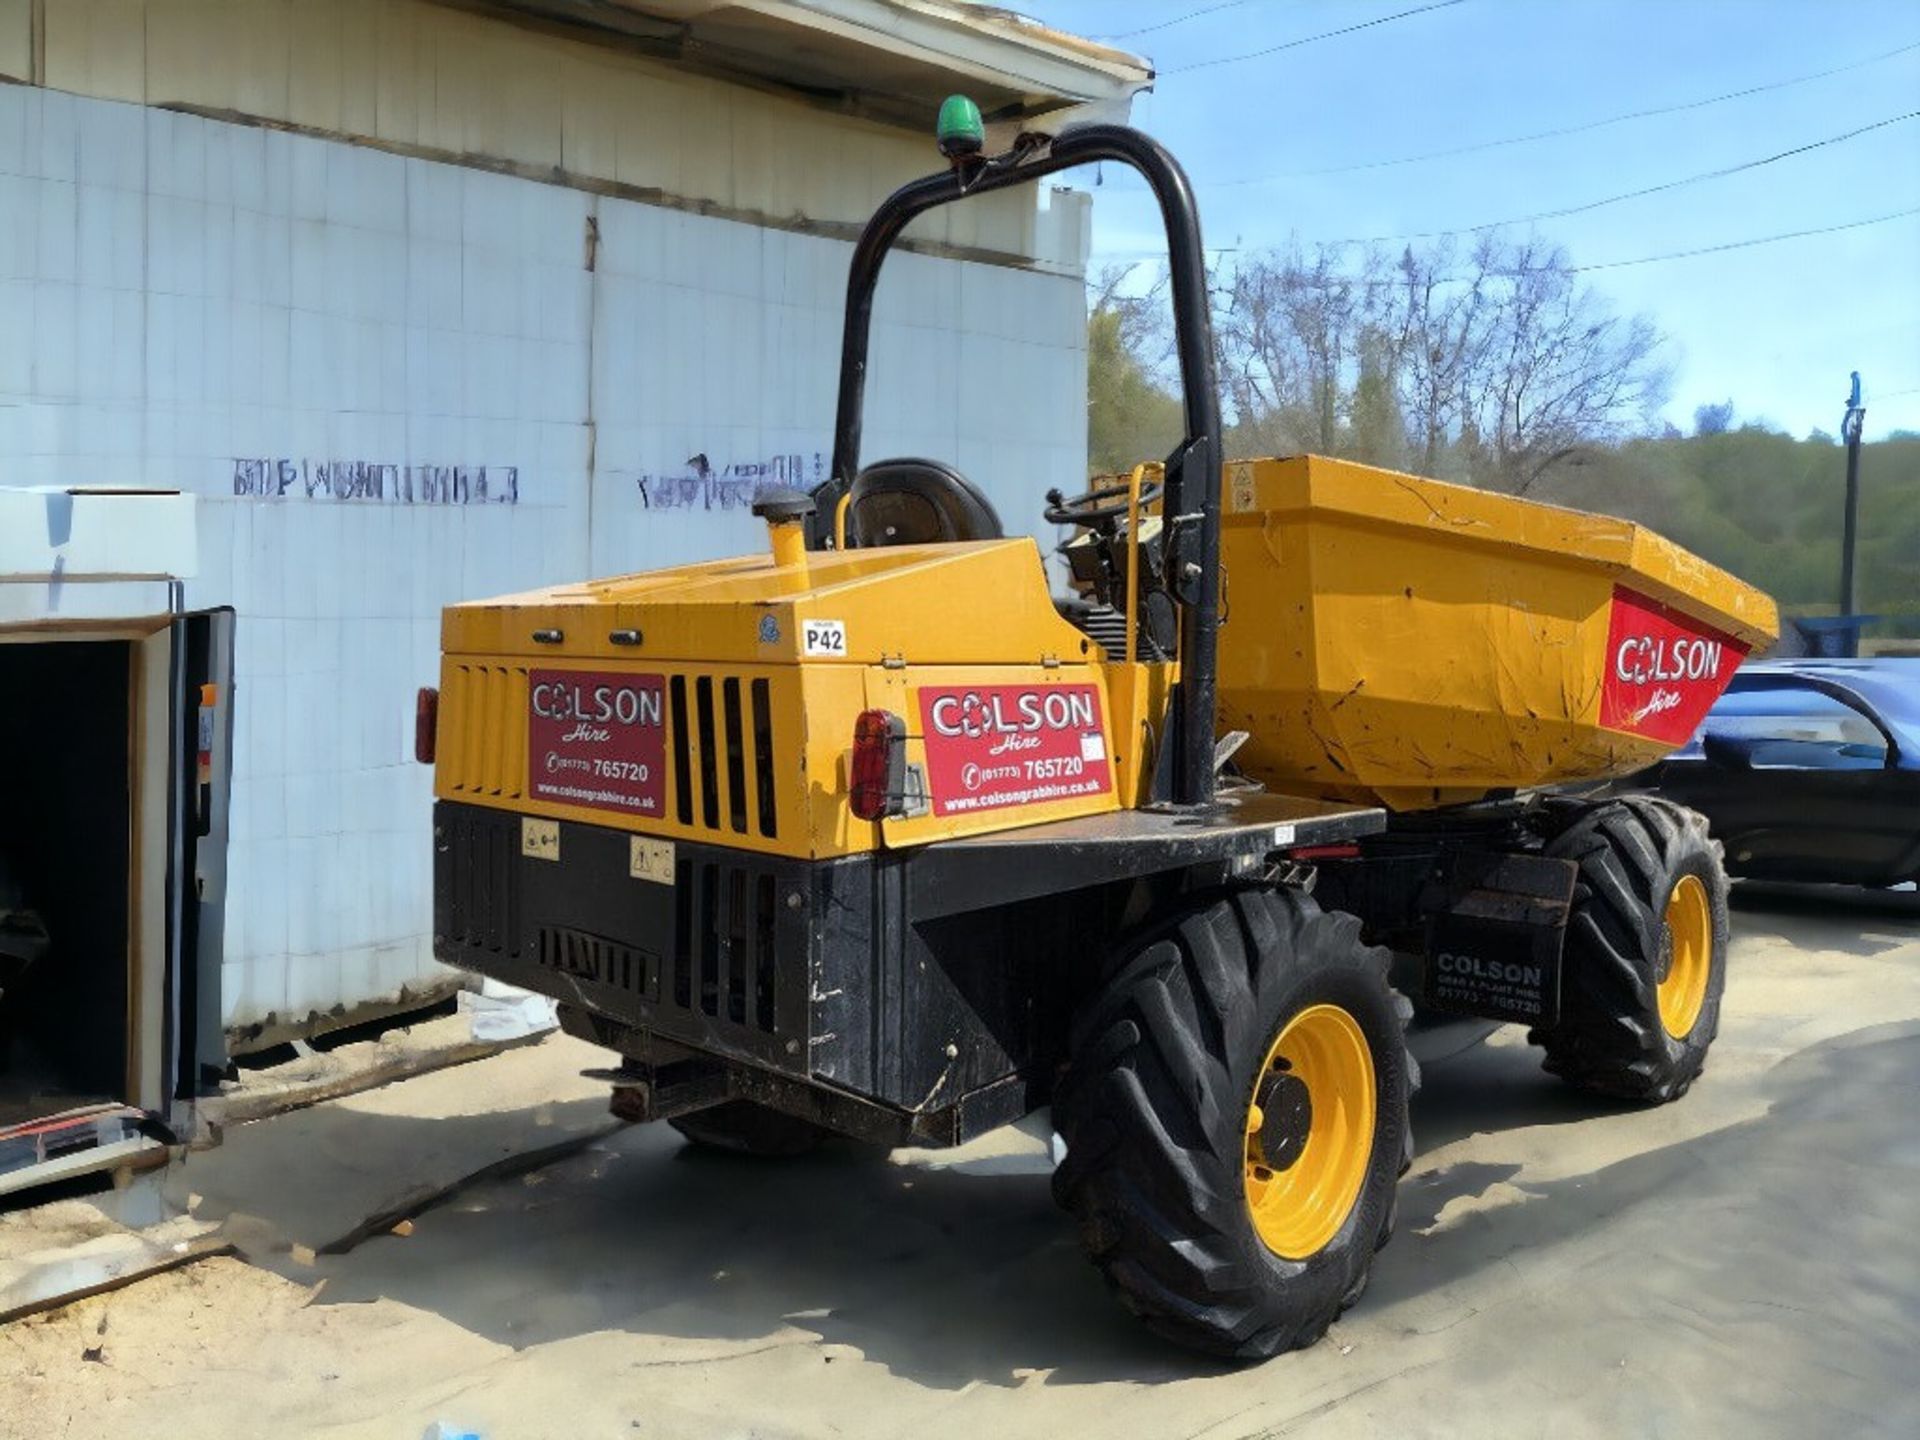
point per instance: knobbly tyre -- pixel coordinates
(870, 835)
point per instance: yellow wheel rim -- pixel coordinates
(1687, 956)
(1309, 1132)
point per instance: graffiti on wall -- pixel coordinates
(377, 483)
(700, 486)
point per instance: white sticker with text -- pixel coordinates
(824, 637)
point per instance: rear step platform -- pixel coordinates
(953, 876)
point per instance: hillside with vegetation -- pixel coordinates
(1768, 507)
(1495, 366)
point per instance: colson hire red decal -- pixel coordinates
(597, 739)
(994, 745)
(1663, 670)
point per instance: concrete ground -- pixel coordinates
(1743, 1263)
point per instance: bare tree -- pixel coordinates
(1261, 367)
(1563, 372)
(1446, 335)
(1491, 364)
(1298, 331)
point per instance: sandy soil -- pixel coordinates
(1744, 1262)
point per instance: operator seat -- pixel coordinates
(917, 502)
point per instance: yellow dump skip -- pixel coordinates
(1404, 641)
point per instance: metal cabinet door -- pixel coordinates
(202, 750)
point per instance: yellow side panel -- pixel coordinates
(1137, 695)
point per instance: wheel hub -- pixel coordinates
(1686, 956)
(1309, 1131)
(1286, 1117)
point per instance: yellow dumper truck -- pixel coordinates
(871, 834)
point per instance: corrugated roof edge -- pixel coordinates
(1002, 52)
(1027, 30)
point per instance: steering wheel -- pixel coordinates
(1096, 506)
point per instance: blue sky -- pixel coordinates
(1774, 327)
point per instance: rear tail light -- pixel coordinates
(426, 723)
(879, 764)
(1324, 852)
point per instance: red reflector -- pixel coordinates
(1325, 852)
(426, 723)
(879, 764)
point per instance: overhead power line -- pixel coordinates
(1564, 130)
(1746, 244)
(1180, 19)
(1664, 185)
(1310, 39)
(1160, 256)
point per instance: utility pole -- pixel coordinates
(1850, 432)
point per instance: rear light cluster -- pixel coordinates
(879, 765)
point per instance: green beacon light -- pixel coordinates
(960, 131)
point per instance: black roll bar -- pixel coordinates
(1192, 505)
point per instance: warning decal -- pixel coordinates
(995, 745)
(597, 739)
(1663, 670)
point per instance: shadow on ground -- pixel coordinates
(942, 1272)
(1774, 1259)
(320, 1177)
(1480, 1088)
(952, 1275)
(1817, 916)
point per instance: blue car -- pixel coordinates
(1809, 770)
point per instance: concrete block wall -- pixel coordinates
(396, 383)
